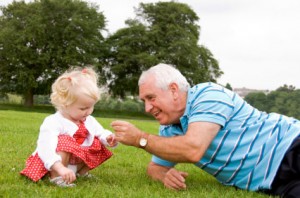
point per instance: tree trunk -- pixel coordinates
(28, 97)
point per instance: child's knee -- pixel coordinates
(65, 157)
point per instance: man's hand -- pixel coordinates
(175, 179)
(127, 133)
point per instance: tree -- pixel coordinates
(284, 100)
(286, 88)
(258, 100)
(228, 86)
(40, 39)
(129, 55)
(162, 32)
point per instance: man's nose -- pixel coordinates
(148, 107)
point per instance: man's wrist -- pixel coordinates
(143, 141)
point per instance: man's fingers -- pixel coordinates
(184, 174)
(118, 123)
(177, 185)
(119, 134)
(175, 180)
(119, 127)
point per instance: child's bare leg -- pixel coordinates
(65, 157)
(82, 169)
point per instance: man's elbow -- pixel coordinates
(151, 171)
(194, 156)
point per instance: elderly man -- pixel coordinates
(216, 130)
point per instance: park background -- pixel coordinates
(41, 39)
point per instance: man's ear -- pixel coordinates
(173, 87)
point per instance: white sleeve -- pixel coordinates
(100, 132)
(47, 142)
(104, 135)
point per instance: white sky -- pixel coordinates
(257, 42)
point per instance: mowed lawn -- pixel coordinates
(124, 175)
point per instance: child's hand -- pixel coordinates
(67, 174)
(111, 140)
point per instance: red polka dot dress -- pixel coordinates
(92, 155)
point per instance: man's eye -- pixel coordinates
(140, 100)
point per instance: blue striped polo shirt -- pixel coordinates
(250, 145)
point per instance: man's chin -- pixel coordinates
(161, 122)
(166, 122)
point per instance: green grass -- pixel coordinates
(121, 176)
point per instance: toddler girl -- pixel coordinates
(71, 142)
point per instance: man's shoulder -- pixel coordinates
(208, 91)
(206, 86)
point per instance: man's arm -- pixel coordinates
(186, 148)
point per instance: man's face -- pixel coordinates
(158, 102)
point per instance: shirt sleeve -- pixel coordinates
(162, 162)
(100, 132)
(47, 142)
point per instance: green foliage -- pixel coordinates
(162, 32)
(132, 106)
(129, 55)
(105, 104)
(286, 88)
(42, 99)
(11, 99)
(284, 100)
(258, 100)
(41, 39)
(128, 105)
(228, 86)
(123, 175)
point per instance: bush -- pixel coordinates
(41, 99)
(132, 106)
(106, 103)
(115, 104)
(11, 98)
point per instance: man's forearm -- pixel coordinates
(175, 149)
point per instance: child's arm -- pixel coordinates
(105, 136)
(48, 140)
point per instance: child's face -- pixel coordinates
(80, 109)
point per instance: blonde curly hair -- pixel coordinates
(72, 83)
